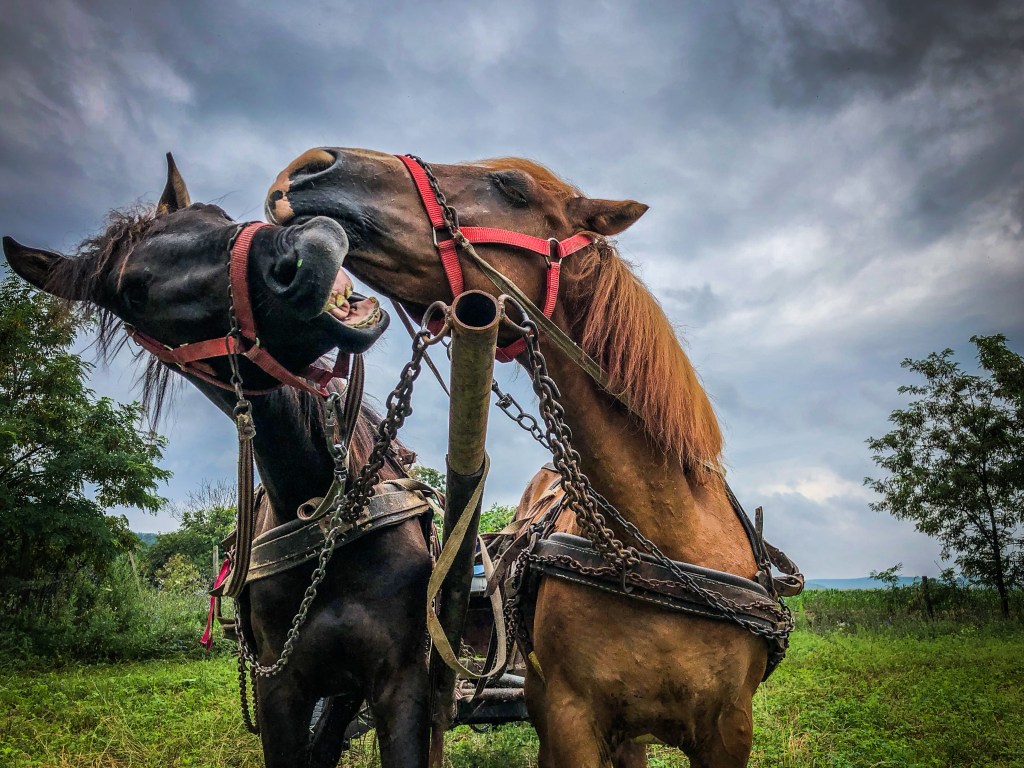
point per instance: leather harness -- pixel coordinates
(552, 249)
(298, 541)
(544, 551)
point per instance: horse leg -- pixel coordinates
(629, 754)
(284, 715)
(401, 715)
(728, 741)
(573, 738)
(536, 707)
(328, 741)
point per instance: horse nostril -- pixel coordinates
(283, 271)
(313, 166)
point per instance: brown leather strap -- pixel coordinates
(296, 542)
(245, 515)
(656, 583)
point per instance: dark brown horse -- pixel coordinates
(615, 670)
(165, 272)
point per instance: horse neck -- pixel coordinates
(290, 447)
(688, 521)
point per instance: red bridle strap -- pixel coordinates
(552, 249)
(190, 357)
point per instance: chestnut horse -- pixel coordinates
(613, 671)
(165, 273)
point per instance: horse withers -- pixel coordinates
(163, 273)
(609, 671)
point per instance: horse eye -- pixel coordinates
(514, 187)
(134, 294)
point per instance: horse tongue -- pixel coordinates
(364, 313)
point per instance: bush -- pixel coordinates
(128, 620)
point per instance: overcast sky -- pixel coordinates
(833, 187)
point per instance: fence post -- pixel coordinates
(927, 597)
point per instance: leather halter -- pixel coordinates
(553, 250)
(243, 340)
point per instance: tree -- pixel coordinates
(491, 520)
(56, 440)
(206, 518)
(430, 476)
(179, 574)
(496, 518)
(956, 461)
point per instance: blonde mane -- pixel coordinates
(622, 326)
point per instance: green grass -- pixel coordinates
(936, 697)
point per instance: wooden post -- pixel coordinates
(927, 593)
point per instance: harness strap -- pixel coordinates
(552, 249)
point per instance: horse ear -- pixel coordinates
(606, 217)
(175, 196)
(34, 265)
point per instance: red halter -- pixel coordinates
(189, 357)
(552, 249)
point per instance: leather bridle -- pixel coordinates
(445, 225)
(242, 340)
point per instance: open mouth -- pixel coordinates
(350, 308)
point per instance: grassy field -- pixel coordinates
(937, 695)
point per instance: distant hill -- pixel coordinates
(864, 582)
(147, 538)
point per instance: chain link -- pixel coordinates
(511, 408)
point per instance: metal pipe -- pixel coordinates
(475, 317)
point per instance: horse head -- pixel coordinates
(375, 197)
(164, 273)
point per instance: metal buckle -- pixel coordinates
(451, 229)
(554, 251)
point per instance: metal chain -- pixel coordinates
(249, 718)
(511, 408)
(578, 491)
(348, 506)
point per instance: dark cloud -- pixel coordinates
(951, 72)
(892, 47)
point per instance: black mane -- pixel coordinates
(80, 277)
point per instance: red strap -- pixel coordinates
(449, 256)
(552, 249)
(489, 235)
(207, 639)
(188, 356)
(239, 273)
